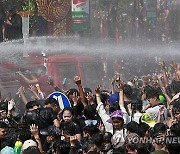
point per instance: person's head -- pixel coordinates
(29, 144)
(175, 129)
(116, 118)
(107, 145)
(132, 127)
(52, 103)
(89, 131)
(10, 10)
(3, 129)
(31, 150)
(128, 91)
(87, 145)
(173, 147)
(159, 128)
(67, 114)
(143, 129)
(89, 112)
(152, 97)
(97, 139)
(176, 110)
(137, 105)
(61, 147)
(32, 105)
(175, 86)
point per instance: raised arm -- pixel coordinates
(28, 81)
(77, 80)
(164, 73)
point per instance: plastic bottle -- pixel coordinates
(17, 147)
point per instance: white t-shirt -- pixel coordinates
(136, 117)
(154, 111)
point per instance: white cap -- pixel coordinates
(28, 143)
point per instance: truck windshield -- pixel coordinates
(67, 73)
(91, 74)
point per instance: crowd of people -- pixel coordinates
(131, 117)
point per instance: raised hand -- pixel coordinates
(77, 80)
(98, 89)
(75, 97)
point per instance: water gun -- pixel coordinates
(17, 147)
(39, 91)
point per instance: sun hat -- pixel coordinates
(148, 119)
(116, 114)
(29, 143)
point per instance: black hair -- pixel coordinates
(128, 91)
(136, 105)
(175, 129)
(152, 93)
(69, 127)
(176, 105)
(70, 109)
(51, 101)
(3, 125)
(61, 147)
(78, 109)
(107, 136)
(97, 139)
(113, 107)
(31, 150)
(91, 130)
(31, 104)
(159, 128)
(175, 86)
(87, 90)
(173, 148)
(24, 134)
(71, 91)
(86, 144)
(89, 112)
(9, 139)
(143, 128)
(53, 131)
(132, 127)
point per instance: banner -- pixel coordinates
(80, 15)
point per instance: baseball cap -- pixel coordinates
(113, 98)
(148, 119)
(29, 143)
(116, 114)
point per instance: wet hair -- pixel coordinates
(159, 128)
(89, 112)
(61, 147)
(70, 128)
(175, 129)
(52, 101)
(132, 127)
(70, 109)
(31, 150)
(143, 128)
(176, 105)
(175, 86)
(128, 91)
(107, 137)
(87, 90)
(91, 130)
(86, 144)
(31, 104)
(152, 93)
(3, 125)
(24, 134)
(97, 139)
(9, 139)
(136, 105)
(113, 107)
(71, 91)
(78, 109)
